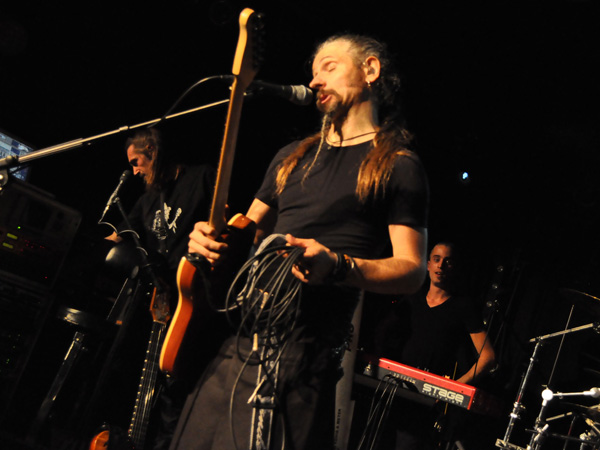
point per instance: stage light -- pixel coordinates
(465, 177)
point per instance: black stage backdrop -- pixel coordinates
(506, 91)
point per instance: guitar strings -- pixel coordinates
(143, 405)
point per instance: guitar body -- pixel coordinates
(100, 441)
(197, 330)
(111, 439)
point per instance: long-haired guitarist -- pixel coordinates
(351, 203)
(176, 196)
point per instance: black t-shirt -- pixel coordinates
(436, 339)
(325, 207)
(187, 200)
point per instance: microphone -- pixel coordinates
(124, 176)
(299, 94)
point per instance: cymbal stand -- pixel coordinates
(518, 405)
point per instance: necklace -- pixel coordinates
(351, 138)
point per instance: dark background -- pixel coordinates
(507, 91)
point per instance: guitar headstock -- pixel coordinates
(249, 53)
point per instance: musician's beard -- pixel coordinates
(147, 184)
(335, 113)
(337, 108)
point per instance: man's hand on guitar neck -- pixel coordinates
(203, 241)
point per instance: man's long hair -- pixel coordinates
(392, 138)
(149, 142)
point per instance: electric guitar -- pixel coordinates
(199, 283)
(136, 433)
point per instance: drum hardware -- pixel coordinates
(541, 426)
(592, 435)
(589, 412)
(589, 440)
(500, 443)
(585, 441)
(518, 406)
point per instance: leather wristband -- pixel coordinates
(343, 265)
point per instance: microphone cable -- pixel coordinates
(266, 295)
(381, 405)
(185, 94)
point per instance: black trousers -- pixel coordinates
(218, 416)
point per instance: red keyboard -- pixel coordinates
(437, 387)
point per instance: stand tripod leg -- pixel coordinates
(58, 383)
(128, 299)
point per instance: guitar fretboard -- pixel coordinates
(143, 402)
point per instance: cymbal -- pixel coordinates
(588, 302)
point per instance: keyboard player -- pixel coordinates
(439, 331)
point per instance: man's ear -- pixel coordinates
(372, 68)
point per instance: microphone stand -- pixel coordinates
(122, 312)
(144, 254)
(16, 161)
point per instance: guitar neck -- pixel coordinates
(245, 66)
(217, 215)
(144, 400)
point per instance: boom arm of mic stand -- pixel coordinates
(15, 161)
